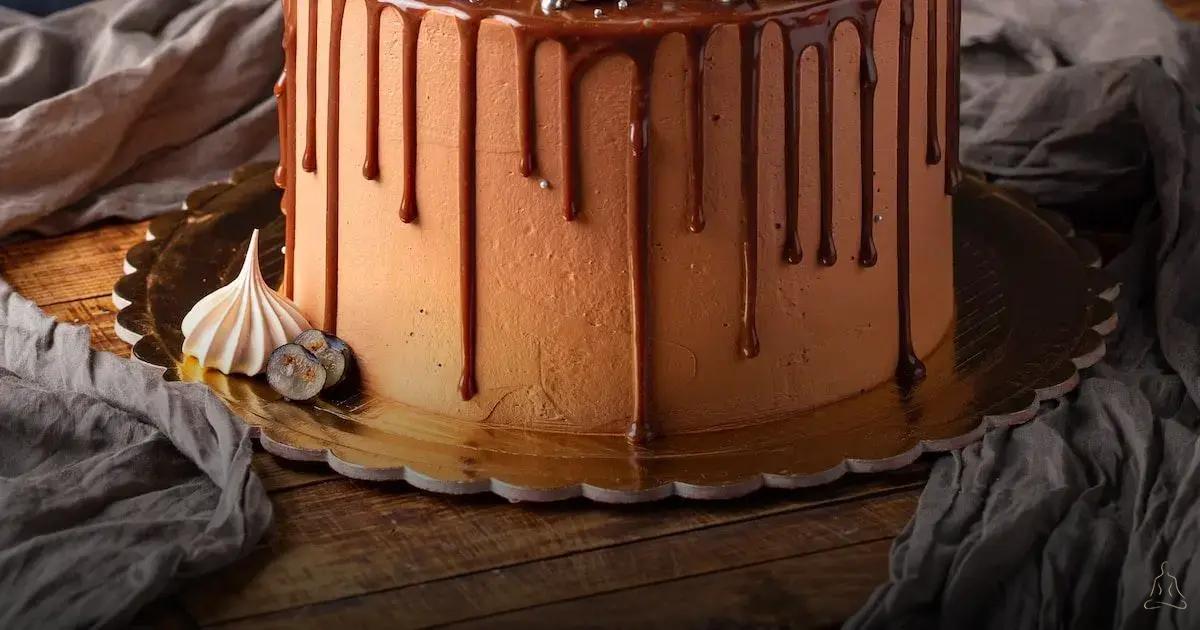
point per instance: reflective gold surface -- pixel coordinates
(1030, 311)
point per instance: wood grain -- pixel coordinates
(280, 474)
(72, 267)
(1188, 10)
(165, 613)
(99, 315)
(642, 563)
(342, 539)
(818, 590)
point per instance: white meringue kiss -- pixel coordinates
(235, 328)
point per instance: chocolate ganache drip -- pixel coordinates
(909, 370)
(751, 41)
(285, 175)
(954, 70)
(633, 29)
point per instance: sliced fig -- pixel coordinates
(333, 353)
(295, 373)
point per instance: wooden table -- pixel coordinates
(1188, 10)
(344, 553)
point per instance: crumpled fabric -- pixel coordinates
(116, 108)
(1089, 516)
(115, 485)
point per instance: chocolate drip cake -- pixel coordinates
(639, 218)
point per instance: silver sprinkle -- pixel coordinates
(560, 4)
(543, 184)
(598, 13)
(622, 4)
(879, 218)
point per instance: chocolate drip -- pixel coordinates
(798, 37)
(569, 126)
(693, 95)
(751, 43)
(638, 191)
(868, 79)
(527, 123)
(910, 370)
(826, 251)
(468, 33)
(585, 42)
(285, 175)
(792, 251)
(933, 151)
(374, 21)
(577, 57)
(954, 61)
(412, 31)
(280, 92)
(310, 131)
(332, 144)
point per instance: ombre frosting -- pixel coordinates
(235, 328)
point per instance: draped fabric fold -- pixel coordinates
(1089, 516)
(115, 485)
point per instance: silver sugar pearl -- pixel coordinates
(598, 13)
(543, 184)
(622, 4)
(879, 218)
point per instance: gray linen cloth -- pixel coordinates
(115, 108)
(1088, 517)
(113, 483)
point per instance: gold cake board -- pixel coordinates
(1031, 310)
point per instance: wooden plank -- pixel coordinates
(99, 315)
(620, 567)
(808, 591)
(341, 539)
(280, 474)
(1188, 10)
(164, 613)
(71, 267)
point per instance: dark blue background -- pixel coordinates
(40, 7)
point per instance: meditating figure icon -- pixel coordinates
(1165, 592)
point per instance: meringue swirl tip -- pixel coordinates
(235, 328)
